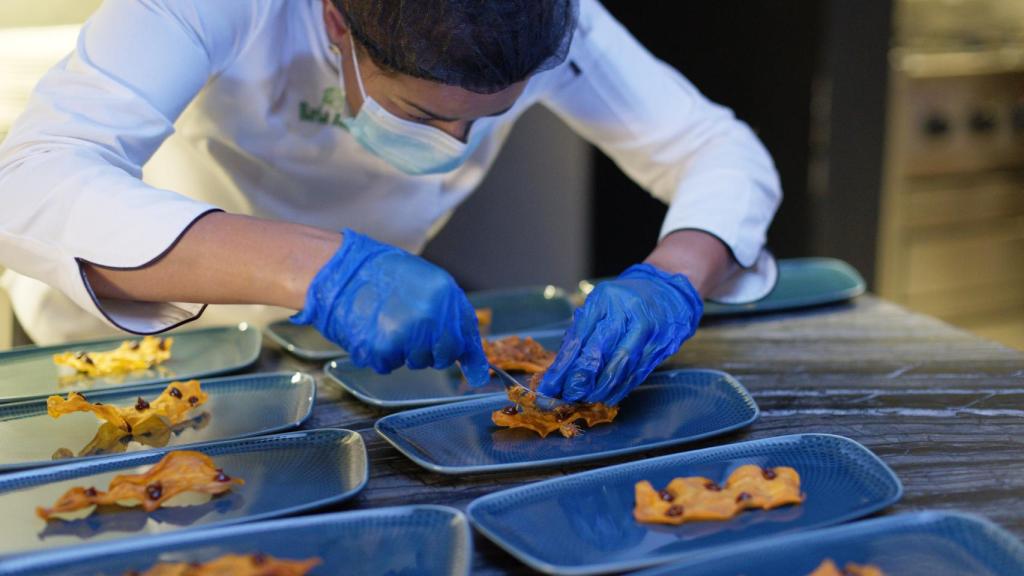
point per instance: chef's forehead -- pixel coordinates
(483, 47)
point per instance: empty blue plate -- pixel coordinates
(671, 408)
(583, 523)
(238, 406)
(513, 310)
(402, 540)
(405, 388)
(29, 372)
(283, 474)
(918, 544)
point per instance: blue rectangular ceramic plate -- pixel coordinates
(583, 523)
(514, 310)
(283, 474)
(918, 544)
(671, 408)
(29, 372)
(405, 388)
(802, 283)
(402, 540)
(238, 406)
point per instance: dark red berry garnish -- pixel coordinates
(176, 393)
(141, 405)
(675, 510)
(768, 473)
(743, 497)
(154, 491)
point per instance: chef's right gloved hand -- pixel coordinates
(389, 308)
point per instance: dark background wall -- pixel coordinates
(809, 76)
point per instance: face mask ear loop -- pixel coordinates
(355, 64)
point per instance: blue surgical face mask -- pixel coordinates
(410, 147)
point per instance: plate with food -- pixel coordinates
(399, 540)
(664, 509)
(32, 372)
(802, 283)
(206, 485)
(925, 543)
(494, 433)
(498, 311)
(82, 425)
(521, 355)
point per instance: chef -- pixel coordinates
(296, 156)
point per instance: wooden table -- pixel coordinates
(943, 408)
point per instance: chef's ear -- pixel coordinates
(334, 21)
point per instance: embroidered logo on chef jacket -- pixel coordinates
(329, 111)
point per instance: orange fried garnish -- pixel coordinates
(518, 354)
(698, 498)
(234, 565)
(130, 356)
(526, 414)
(176, 473)
(484, 317)
(829, 568)
(172, 404)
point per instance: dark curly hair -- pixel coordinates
(480, 45)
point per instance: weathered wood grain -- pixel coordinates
(943, 408)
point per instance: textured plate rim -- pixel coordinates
(423, 402)
(341, 433)
(623, 566)
(247, 360)
(298, 351)
(742, 393)
(722, 309)
(310, 400)
(416, 403)
(38, 560)
(880, 526)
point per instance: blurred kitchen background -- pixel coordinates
(897, 127)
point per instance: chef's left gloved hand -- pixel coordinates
(625, 329)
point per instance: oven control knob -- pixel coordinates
(983, 121)
(936, 125)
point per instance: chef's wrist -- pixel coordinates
(696, 254)
(311, 253)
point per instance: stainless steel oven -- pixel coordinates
(952, 216)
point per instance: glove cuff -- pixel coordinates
(679, 284)
(332, 278)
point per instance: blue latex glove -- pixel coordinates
(389, 308)
(625, 329)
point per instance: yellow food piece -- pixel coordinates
(829, 568)
(525, 414)
(128, 357)
(698, 498)
(234, 565)
(172, 405)
(176, 473)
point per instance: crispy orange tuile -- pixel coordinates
(131, 355)
(517, 354)
(829, 568)
(484, 317)
(525, 414)
(176, 473)
(698, 498)
(172, 404)
(234, 565)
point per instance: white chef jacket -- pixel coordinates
(235, 105)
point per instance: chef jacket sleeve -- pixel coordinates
(694, 155)
(71, 165)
